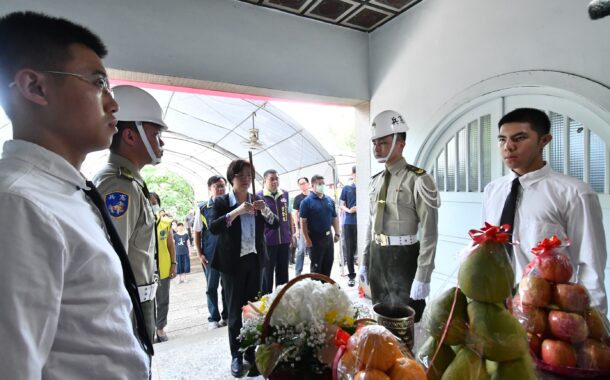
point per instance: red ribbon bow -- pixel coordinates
(341, 337)
(495, 234)
(546, 246)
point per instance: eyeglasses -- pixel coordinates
(98, 80)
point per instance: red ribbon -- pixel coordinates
(546, 246)
(495, 234)
(341, 337)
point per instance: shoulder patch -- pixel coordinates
(416, 170)
(117, 203)
(126, 173)
(374, 176)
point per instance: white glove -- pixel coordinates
(419, 290)
(363, 274)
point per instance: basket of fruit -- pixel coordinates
(567, 335)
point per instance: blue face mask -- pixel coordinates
(320, 189)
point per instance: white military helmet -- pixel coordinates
(387, 123)
(136, 105)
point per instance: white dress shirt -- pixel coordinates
(64, 310)
(554, 204)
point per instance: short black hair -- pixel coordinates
(116, 138)
(152, 194)
(178, 224)
(305, 178)
(269, 172)
(537, 119)
(40, 42)
(402, 136)
(235, 167)
(354, 169)
(316, 177)
(215, 178)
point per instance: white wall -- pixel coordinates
(442, 54)
(221, 41)
(438, 49)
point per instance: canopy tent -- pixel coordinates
(206, 132)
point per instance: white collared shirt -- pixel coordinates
(64, 310)
(550, 204)
(248, 228)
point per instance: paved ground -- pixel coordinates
(193, 351)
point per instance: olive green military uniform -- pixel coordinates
(410, 212)
(126, 197)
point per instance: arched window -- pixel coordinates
(467, 159)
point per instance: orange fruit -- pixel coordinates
(371, 374)
(407, 369)
(377, 348)
(348, 364)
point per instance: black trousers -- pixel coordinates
(321, 253)
(279, 256)
(350, 235)
(241, 287)
(391, 273)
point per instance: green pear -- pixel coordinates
(522, 369)
(496, 333)
(436, 315)
(444, 357)
(487, 275)
(467, 365)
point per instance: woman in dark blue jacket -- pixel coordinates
(239, 219)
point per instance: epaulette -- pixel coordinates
(416, 170)
(375, 176)
(126, 173)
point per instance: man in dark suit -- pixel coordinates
(239, 219)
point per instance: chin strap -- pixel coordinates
(155, 160)
(384, 159)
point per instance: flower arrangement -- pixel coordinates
(303, 331)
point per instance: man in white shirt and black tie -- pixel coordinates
(538, 203)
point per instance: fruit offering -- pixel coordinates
(374, 353)
(472, 334)
(564, 331)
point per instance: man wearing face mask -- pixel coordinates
(398, 261)
(136, 144)
(318, 213)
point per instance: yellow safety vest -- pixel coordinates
(165, 260)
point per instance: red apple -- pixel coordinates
(571, 297)
(535, 291)
(535, 321)
(556, 352)
(594, 355)
(568, 327)
(599, 328)
(535, 343)
(519, 307)
(554, 268)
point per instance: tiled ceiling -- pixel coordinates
(364, 15)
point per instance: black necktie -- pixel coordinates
(508, 212)
(128, 276)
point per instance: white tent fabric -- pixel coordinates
(207, 132)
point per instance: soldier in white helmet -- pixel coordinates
(398, 262)
(136, 144)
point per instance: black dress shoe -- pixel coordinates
(237, 367)
(351, 282)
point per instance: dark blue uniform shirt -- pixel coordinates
(348, 195)
(319, 212)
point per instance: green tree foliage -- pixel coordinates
(177, 196)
